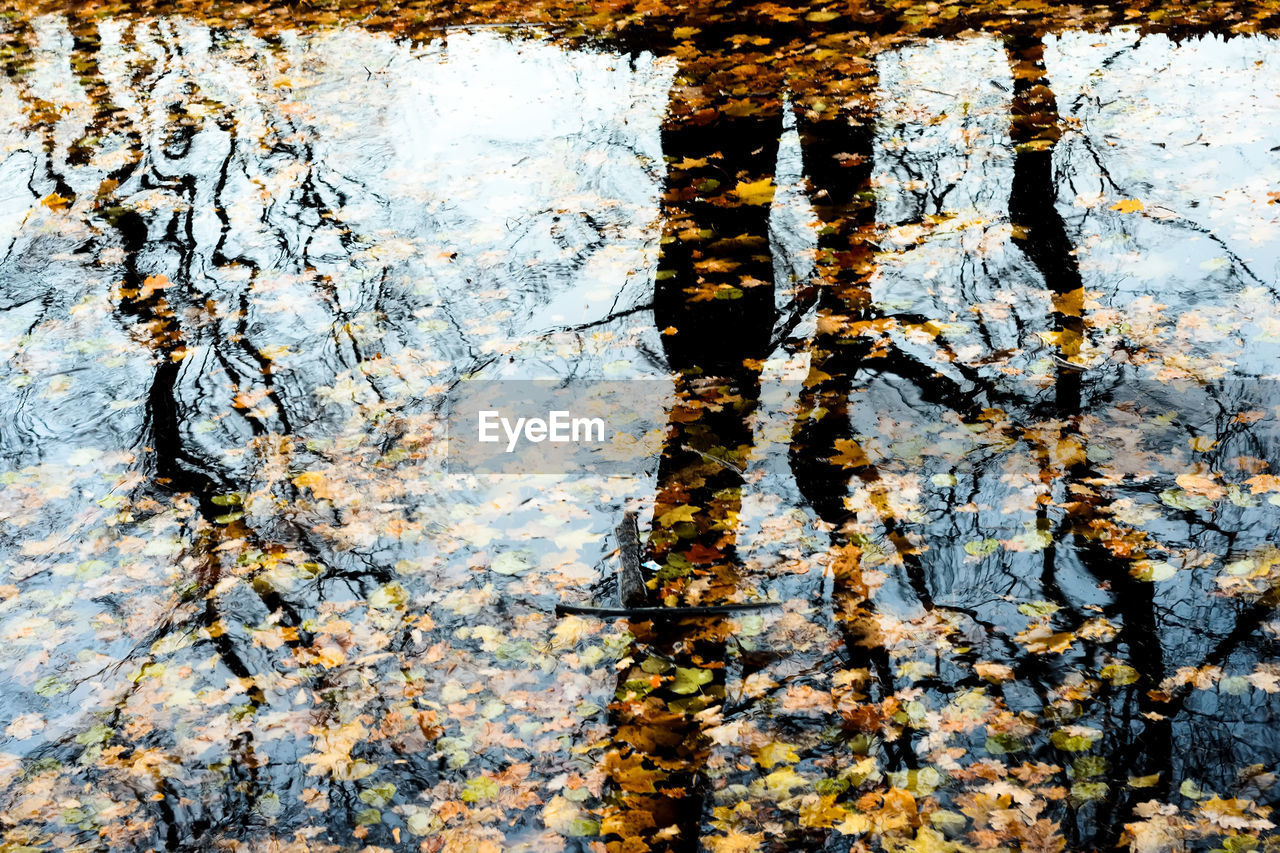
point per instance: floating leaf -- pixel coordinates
(755, 192)
(1075, 738)
(776, 752)
(1152, 570)
(690, 679)
(50, 685)
(1128, 205)
(981, 547)
(1120, 674)
(479, 789)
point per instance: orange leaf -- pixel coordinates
(1128, 205)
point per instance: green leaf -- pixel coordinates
(269, 806)
(378, 795)
(690, 680)
(1087, 766)
(654, 665)
(1002, 743)
(98, 733)
(478, 789)
(1234, 685)
(1178, 499)
(50, 686)
(1031, 540)
(513, 562)
(981, 547)
(1074, 738)
(1120, 674)
(1084, 792)
(583, 827)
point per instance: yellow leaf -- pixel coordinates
(854, 824)
(1199, 484)
(821, 811)
(994, 672)
(776, 753)
(755, 192)
(318, 483)
(1152, 570)
(569, 631)
(271, 353)
(677, 514)
(1120, 674)
(735, 841)
(55, 202)
(849, 454)
(780, 782)
(815, 377)
(1128, 205)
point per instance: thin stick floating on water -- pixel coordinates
(663, 612)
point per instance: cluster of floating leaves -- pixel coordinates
(245, 607)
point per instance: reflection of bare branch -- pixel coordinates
(1172, 218)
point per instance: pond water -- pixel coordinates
(963, 357)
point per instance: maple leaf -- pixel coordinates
(1128, 205)
(780, 783)
(629, 773)
(319, 484)
(1263, 483)
(735, 841)
(55, 202)
(1041, 639)
(566, 817)
(678, 514)
(151, 284)
(994, 672)
(1266, 678)
(775, 753)
(332, 753)
(755, 192)
(849, 454)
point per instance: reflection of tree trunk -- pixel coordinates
(169, 308)
(1040, 232)
(838, 148)
(1038, 228)
(714, 304)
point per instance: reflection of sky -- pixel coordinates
(508, 189)
(1185, 129)
(516, 183)
(1190, 131)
